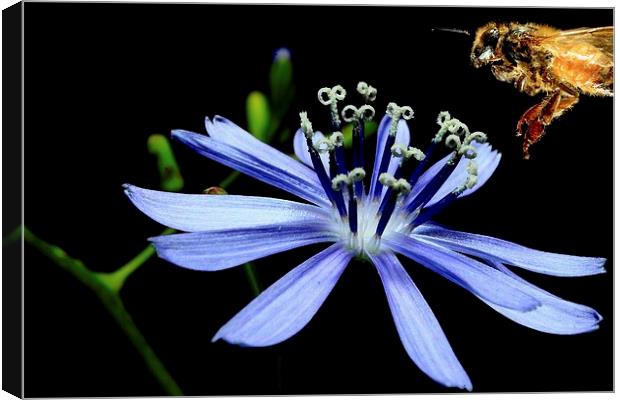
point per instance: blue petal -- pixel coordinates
(511, 253)
(555, 315)
(417, 326)
(294, 177)
(300, 146)
(225, 131)
(215, 250)
(472, 275)
(487, 160)
(200, 212)
(402, 137)
(289, 304)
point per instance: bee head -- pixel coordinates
(486, 47)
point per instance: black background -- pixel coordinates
(100, 78)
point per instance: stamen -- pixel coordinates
(340, 181)
(396, 112)
(306, 125)
(355, 177)
(330, 97)
(357, 117)
(401, 151)
(417, 172)
(336, 199)
(369, 92)
(396, 188)
(357, 174)
(457, 129)
(443, 120)
(471, 180)
(387, 179)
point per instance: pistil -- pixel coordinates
(396, 113)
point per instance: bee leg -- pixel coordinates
(564, 102)
(542, 114)
(535, 132)
(529, 117)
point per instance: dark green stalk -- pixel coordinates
(112, 302)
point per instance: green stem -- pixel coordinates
(115, 280)
(250, 274)
(226, 182)
(113, 304)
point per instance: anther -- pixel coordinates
(401, 151)
(329, 144)
(387, 179)
(397, 112)
(479, 137)
(446, 123)
(337, 139)
(443, 117)
(357, 174)
(306, 125)
(350, 113)
(458, 128)
(397, 185)
(340, 181)
(468, 151)
(367, 112)
(398, 150)
(453, 142)
(330, 97)
(368, 92)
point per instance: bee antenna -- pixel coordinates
(452, 30)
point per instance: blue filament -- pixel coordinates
(388, 209)
(432, 187)
(334, 197)
(353, 214)
(385, 161)
(435, 209)
(358, 155)
(415, 175)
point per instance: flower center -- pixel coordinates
(362, 217)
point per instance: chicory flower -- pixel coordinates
(390, 213)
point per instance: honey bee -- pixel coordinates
(562, 64)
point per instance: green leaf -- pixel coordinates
(257, 108)
(169, 173)
(370, 128)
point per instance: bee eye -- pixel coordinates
(491, 38)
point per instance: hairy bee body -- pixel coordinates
(537, 58)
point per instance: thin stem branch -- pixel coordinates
(113, 304)
(250, 274)
(232, 177)
(115, 280)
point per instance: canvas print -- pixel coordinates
(306, 200)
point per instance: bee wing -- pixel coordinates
(600, 38)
